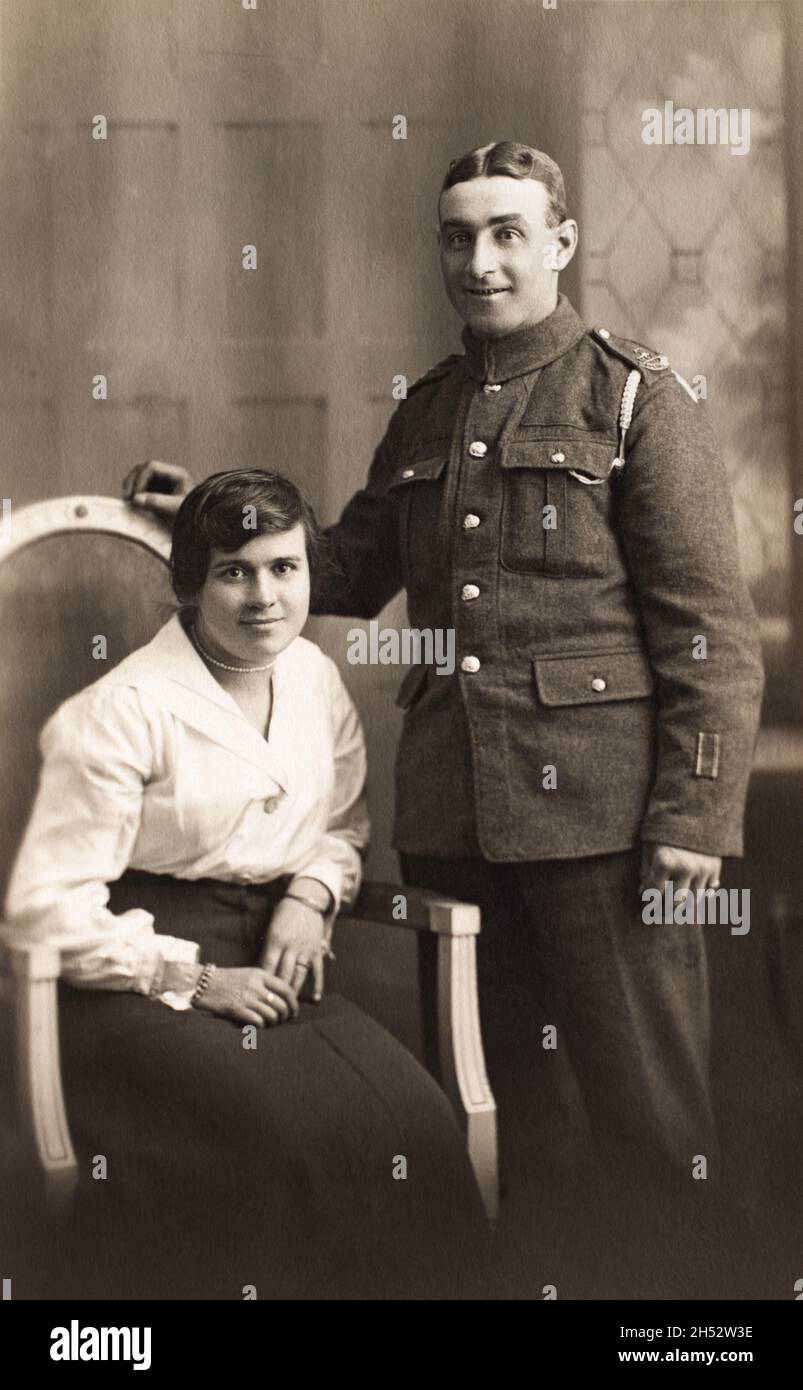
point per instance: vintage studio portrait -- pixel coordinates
(402, 679)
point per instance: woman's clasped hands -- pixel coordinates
(267, 993)
(249, 994)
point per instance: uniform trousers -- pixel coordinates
(597, 1033)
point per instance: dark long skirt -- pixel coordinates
(277, 1167)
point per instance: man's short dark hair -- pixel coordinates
(212, 517)
(515, 161)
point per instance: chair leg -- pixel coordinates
(461, 1061)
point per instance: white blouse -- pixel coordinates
(155, 767)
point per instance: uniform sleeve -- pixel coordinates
(364, 571)
(97, 754)
(336, 860)
(677, 529)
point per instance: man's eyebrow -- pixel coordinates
(492, 221)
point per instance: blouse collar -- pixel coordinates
(173, 672)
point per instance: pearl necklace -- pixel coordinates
(243, 670)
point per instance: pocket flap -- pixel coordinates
(593, 679)
(412, 686)
(419, 468)
(593, 457)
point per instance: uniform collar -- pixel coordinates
(499, 359)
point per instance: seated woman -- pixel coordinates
(199, 822)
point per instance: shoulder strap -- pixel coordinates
(642, 359)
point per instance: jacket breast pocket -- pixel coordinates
(556, 507)
(417, 485)
(593, 677)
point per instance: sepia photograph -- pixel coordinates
(401, 693)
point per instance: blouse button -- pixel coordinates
(271, 804)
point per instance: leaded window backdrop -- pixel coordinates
(684, 246)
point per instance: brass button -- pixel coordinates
(408, 473)
(558, 458)
(488, 388)
(470, 591)
(470, 663)
(603, 333)
(478, 450)
(470, 520)
(599, 684)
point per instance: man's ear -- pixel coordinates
(562, 247)
(568, 236)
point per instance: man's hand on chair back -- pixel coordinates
(160, 487)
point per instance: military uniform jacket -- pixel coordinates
(584, 714)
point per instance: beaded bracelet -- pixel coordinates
(205, 977)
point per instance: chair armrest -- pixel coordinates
(448, 986)
(30, 973)
(423, 910)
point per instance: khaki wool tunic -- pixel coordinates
(577, 627)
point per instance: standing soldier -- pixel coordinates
(553, 494)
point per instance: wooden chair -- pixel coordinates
(76, 568)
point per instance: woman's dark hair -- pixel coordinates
(228, 510)
(517, 162)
